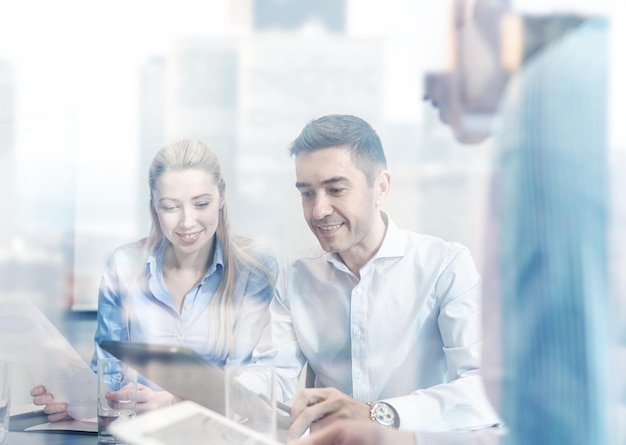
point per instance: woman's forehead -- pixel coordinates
(187, 179)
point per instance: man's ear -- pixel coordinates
(382, 185)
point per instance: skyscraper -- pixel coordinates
(151, 130)
(292, 14)
(201, 97)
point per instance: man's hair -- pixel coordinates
(337, 130)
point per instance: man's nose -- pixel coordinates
(322, 206)
(435, 84)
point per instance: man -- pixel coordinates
(388, 320)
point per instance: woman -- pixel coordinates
(190, 282)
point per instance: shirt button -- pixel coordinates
(357, 332)
(187, 307)
(357, 291)
(359, 374)
(179, 338)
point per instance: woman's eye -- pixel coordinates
(202, 205)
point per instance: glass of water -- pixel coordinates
(117, 396)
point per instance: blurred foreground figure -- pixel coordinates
(550, 256)
(546, 283)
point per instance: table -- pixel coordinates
(17, 435)
(51, 438)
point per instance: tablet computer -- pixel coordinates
(185, 373)
(188, 423)
(177, 369)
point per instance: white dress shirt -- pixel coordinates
(407, 332)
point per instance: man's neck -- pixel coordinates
(359, 255)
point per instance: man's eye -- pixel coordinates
(337, 191)
(306, 195)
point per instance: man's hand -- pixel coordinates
(319, 407)
(55, 410)
(357, 432)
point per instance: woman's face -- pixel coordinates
(187, 205)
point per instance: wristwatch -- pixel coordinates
(384, 414)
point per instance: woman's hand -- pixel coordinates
(147, 398)
(55, 410)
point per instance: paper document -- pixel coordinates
(85, 426)
(29, 408)
(28, 336)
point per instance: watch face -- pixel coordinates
(384, 414)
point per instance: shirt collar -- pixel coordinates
(218, 260)
(392, 246)
(394, 242)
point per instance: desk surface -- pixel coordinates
(51, 438)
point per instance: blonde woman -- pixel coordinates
(191, 282)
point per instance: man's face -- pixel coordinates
(338, 204)
(467, 96)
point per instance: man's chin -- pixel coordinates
(470, 138)
(328, 246)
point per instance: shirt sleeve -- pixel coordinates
(111, 315)
(460, 403)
